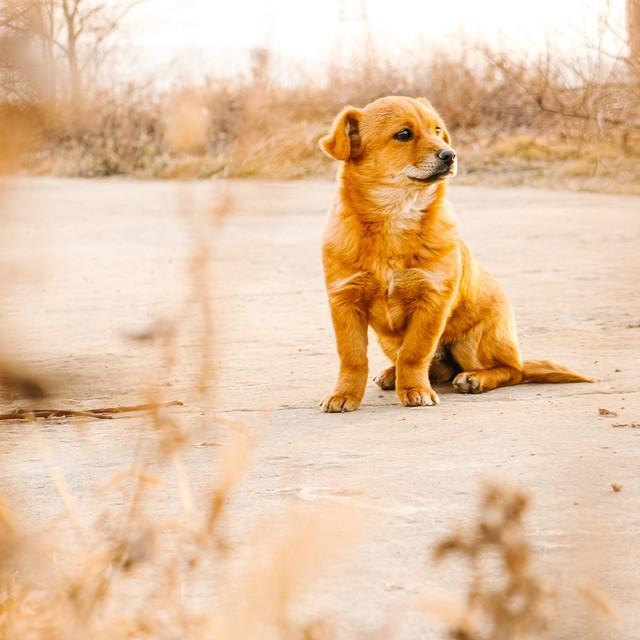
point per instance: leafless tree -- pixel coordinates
(14, 28)
(84, 30)
(74, 36)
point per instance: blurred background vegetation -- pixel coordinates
(562, 117)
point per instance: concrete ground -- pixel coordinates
(86, 265)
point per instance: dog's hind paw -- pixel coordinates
(386, 379)
(467, 383)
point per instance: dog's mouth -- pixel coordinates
(415, 174)
(433, 177)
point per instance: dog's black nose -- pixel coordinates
(447, 155)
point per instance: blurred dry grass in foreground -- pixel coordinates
(515, 606)
(549, 120)
(126, 572)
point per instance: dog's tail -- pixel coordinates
(546, 371)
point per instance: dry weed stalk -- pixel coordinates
(201, 289)
(128, 578)
(512, 607)
(21, 127)
(125, 574)
(598, 601)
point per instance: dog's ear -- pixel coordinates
(343, 141)
(445, 134)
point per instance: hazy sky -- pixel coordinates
(214, 35)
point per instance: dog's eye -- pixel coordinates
(438, 131)
(404, 135)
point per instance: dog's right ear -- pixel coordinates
(343, 141)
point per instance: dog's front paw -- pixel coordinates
(418, 397)
(386, 379)
(467, 383)
(339, 403)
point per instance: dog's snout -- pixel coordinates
(447, 155)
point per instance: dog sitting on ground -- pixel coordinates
(393, 260)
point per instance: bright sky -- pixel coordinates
(197, 36)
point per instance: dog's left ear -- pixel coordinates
(343, 141)
(445, 134)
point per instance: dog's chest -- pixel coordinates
(397, 242)
(391, 252)
(402, 265)
(386, 312)
(386, 271)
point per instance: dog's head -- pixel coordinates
(394, 141)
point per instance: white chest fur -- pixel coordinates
(404, 207)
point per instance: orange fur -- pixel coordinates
(393, 260)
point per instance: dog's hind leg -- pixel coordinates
(486, 379)
(386, 379)
(440, 372)
(442, 369)
(489, 358)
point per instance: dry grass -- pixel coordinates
(125, 575)
(513, 122)
(513, 605)
(125, 572)
(557, 119)
(507, 597)
(555, 159)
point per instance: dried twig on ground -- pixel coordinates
(105, 413)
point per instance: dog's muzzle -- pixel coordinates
(447, 156)
(438, 167)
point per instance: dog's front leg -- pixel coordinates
(349, 313)
(428, 309)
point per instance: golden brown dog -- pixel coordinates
(393, 260)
